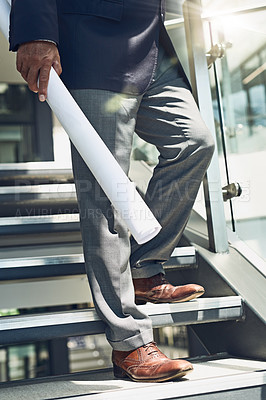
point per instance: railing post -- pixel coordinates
(200, 83)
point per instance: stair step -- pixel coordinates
(214, 379)
(14, 264)
(39, 230)
(183, 257)
(38, 200)
(34, 173)
(39, 224)
(43, 266)
(34, 327)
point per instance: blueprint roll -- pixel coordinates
(119, 189)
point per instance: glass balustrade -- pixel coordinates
(239, 107)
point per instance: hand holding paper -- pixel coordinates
(34, 62)
(116, 185)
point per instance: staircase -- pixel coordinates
(42, 265)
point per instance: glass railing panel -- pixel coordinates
(242, 80)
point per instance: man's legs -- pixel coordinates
(166, 116)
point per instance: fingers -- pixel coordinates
(34, 62)
(32, 78)
(43, 82)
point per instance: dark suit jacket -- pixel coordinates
(103, 44)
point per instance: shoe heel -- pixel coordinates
(118, 371)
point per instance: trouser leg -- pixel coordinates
(105, 237)
(168, 117)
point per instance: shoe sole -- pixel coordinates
(177, 375)
(142, 300)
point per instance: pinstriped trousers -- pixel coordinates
(165, 115)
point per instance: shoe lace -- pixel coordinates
(151, 348)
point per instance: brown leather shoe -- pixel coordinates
(148, 364)
(158, 290)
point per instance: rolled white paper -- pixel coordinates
(114, 182)
(4, 17)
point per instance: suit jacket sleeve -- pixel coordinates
(32, 20)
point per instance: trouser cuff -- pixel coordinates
(133, 342)
(147, 270)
